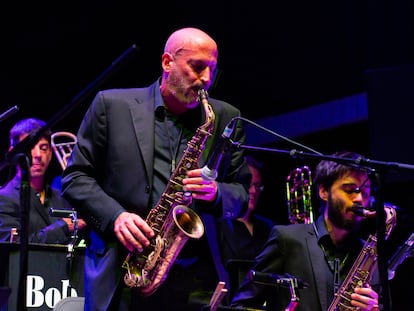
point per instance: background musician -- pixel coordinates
(316, 253)
(43, 228)
(242, 239)
(129, 145)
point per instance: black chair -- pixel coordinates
(237, 270)
(70, 304)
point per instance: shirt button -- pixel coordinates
(147, 189)
(228, 214)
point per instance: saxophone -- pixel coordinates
(171, 219)
(363, 267)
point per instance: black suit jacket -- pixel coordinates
(293, 249)
(111, 170)
(43, 228)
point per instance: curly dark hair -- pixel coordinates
(328, 171)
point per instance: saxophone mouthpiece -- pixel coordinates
(202, 95)
(363, 211)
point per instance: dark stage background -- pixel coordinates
(276, 58)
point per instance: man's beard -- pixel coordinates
(182, 93)
(335, 214)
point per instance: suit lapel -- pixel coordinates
(142, 114)
(318, 264)
(210, 143)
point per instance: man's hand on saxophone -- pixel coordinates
(365, 298)
(200, 188)
(132, 231)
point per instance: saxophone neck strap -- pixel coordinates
(335, 264)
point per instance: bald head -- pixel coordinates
(188, 62)
(189, 38)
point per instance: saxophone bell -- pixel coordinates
(188, 221)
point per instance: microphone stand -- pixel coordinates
(24, 147)
(71, 246)
(403, 252)
(24, 164)
(8, 113)
(373, 168)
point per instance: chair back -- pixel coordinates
(237, 269)
(70, 304)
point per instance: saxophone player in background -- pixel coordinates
(319, 252)
(128, 146)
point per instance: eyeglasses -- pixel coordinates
(257, 186)
(352, 189)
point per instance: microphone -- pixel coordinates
(8, 113)
(399, 256)
(275, 279)
(63, 213)
(210, 170)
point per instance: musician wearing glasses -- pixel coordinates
(322, 253)
(43, 228)
(137, 168)
(243, 238)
